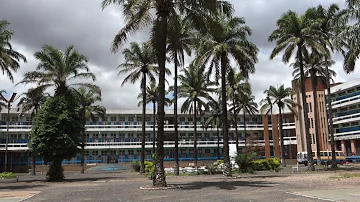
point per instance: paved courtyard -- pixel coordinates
(125, 186)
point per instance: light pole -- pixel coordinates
(8, 102)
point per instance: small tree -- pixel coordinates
(55, 134)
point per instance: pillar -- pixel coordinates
(343, 147)
(353, 147)
(275, 133)
(266, 136)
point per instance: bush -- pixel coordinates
(149, 169)
(7, 175)
(212, 169)
(262, 164)
(245, 163)
(136, 166)
(219, 162)
(274, 163)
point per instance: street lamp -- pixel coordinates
(8, 102)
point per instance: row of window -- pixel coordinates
(147, 152)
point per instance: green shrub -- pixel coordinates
(7, 175)
(149, 169)
(212, 169)
(245, 163)
(274, 163)
(219, 162)
(262, 164)
(136, 166)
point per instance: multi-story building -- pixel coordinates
(117, 138)
(323, 136)
(346, 116)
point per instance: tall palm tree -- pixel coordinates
(214, 111)
(332, 23)
(179, 42)
(195, 88)
(314, 66)
(86, 98)
(9, 58)
(245, 103)
(293, 34)
(266, 107)
(32, 100)
(139, 14)
(226, 39)
(58, 69)
(281, 97)
(152, 96)
(140, 63)
(236, 82)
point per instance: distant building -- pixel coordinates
(322, 117)
(346, 116)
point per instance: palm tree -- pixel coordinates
(281, 97)
(245, 102)
(331, 24)
(58, 69)
(86, 98)
(195, 88)
(226, 39)
(295, 33)
(213, 108)
(139, 14)
(179, 42)
(139, 62)
(9, 58)
(152, 96)
(237, 82)
(33, 99)
(314, 66)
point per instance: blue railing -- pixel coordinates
(348, 129)
(347, 113)
(347, 96)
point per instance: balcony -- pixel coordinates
(21, 145)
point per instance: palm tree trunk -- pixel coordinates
(330, 116)
(154, 125)
(313, 85)
(305, 110)
(218, 141)
(83, 157)
(33, 169)
(235, 125)
(282, 147)
(143, 129)
(227, 164)
(195, 136)
(244, 126)
(176, 118)
(159, 178)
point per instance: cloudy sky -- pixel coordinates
(90, 29)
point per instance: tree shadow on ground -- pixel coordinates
(21, 186)
(224, 184)
(75, 179)
(260, 176)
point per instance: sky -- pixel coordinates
(90, 29)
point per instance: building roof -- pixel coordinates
(344, 86)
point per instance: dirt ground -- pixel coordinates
(125, 186)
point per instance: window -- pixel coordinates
(207, 151)
(312, 123)
(113, 118)
(310, 106)
(28, 119)
(14, 119)
(95, 153)
(148, 118)
(139, 118)
(130, 118)
(131, 152)
(182, 119)
(190, 119)
(121, 118)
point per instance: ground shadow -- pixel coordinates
(75, 179)
(230, 184)
(20, 186)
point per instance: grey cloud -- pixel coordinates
(90, 29)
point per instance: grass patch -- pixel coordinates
(185, 174)
(345, 175)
